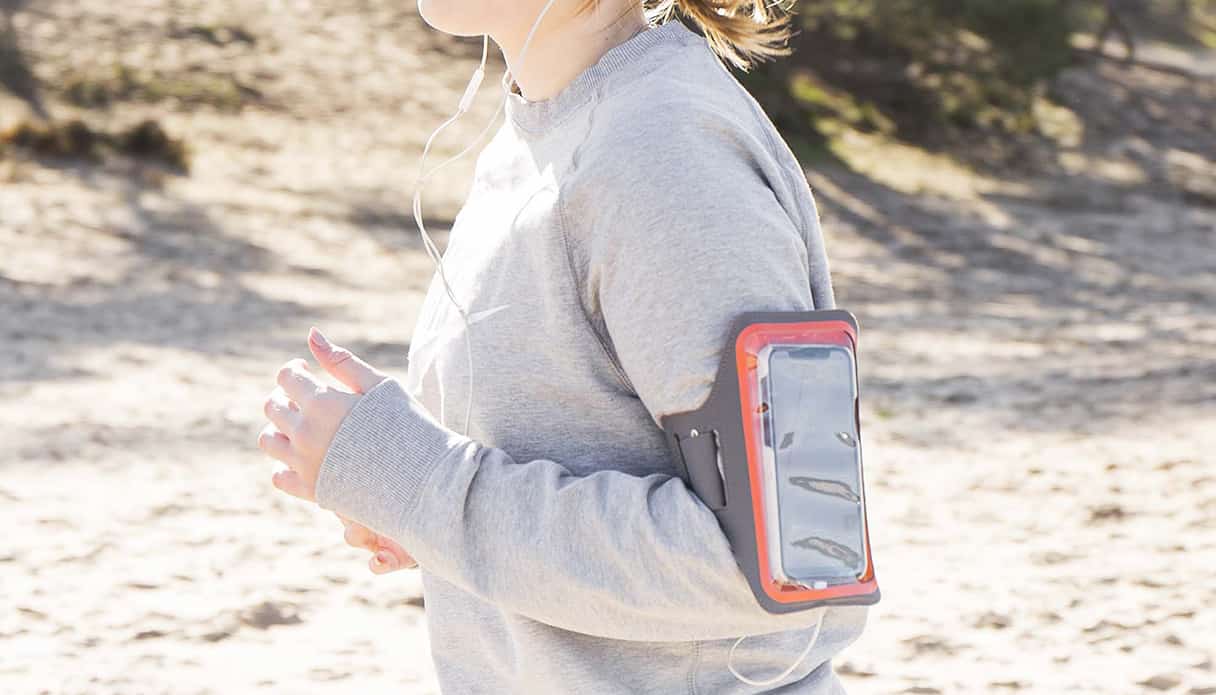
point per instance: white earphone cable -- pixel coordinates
(466, 102)
(783, 675)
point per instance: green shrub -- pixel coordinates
(922, 68)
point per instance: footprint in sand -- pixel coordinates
(269, 613)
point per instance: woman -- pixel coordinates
(635, 200)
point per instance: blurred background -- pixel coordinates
(1020, 203)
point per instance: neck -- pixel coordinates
(565, 46)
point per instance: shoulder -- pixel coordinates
(683, 116)
(676, 144)
(675, 160)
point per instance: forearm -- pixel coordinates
(607, 554)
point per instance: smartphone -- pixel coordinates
(811, 465)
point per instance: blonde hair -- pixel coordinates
(742, 32)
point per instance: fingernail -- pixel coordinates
(318, 338)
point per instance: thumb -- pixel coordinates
(342, 364)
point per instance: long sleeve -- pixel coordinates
(607, 554)
(667, 258)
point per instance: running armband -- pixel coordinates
(775, 453)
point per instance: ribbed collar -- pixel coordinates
(537, 117)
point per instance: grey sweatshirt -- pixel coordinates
(611, 234)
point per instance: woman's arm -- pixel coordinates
(668, 261)
(606, 554)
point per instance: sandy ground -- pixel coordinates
(1039, 361)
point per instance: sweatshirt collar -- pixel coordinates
(539, 116)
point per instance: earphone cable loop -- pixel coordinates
(730, 657)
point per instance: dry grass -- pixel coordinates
(75, 139)
(105, 87)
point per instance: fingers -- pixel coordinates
(290, 482)
(342, 364)
(282, 412)
(382, 563)
(390, 555)
(275, 444)
(386, 557)
(358, 536)
(297, 382)
(385, 561)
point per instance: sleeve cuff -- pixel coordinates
(381, 456)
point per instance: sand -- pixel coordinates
(1038, 356)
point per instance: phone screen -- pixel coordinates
(812, 443)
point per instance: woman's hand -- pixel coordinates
(305, 414)
(388, 555)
